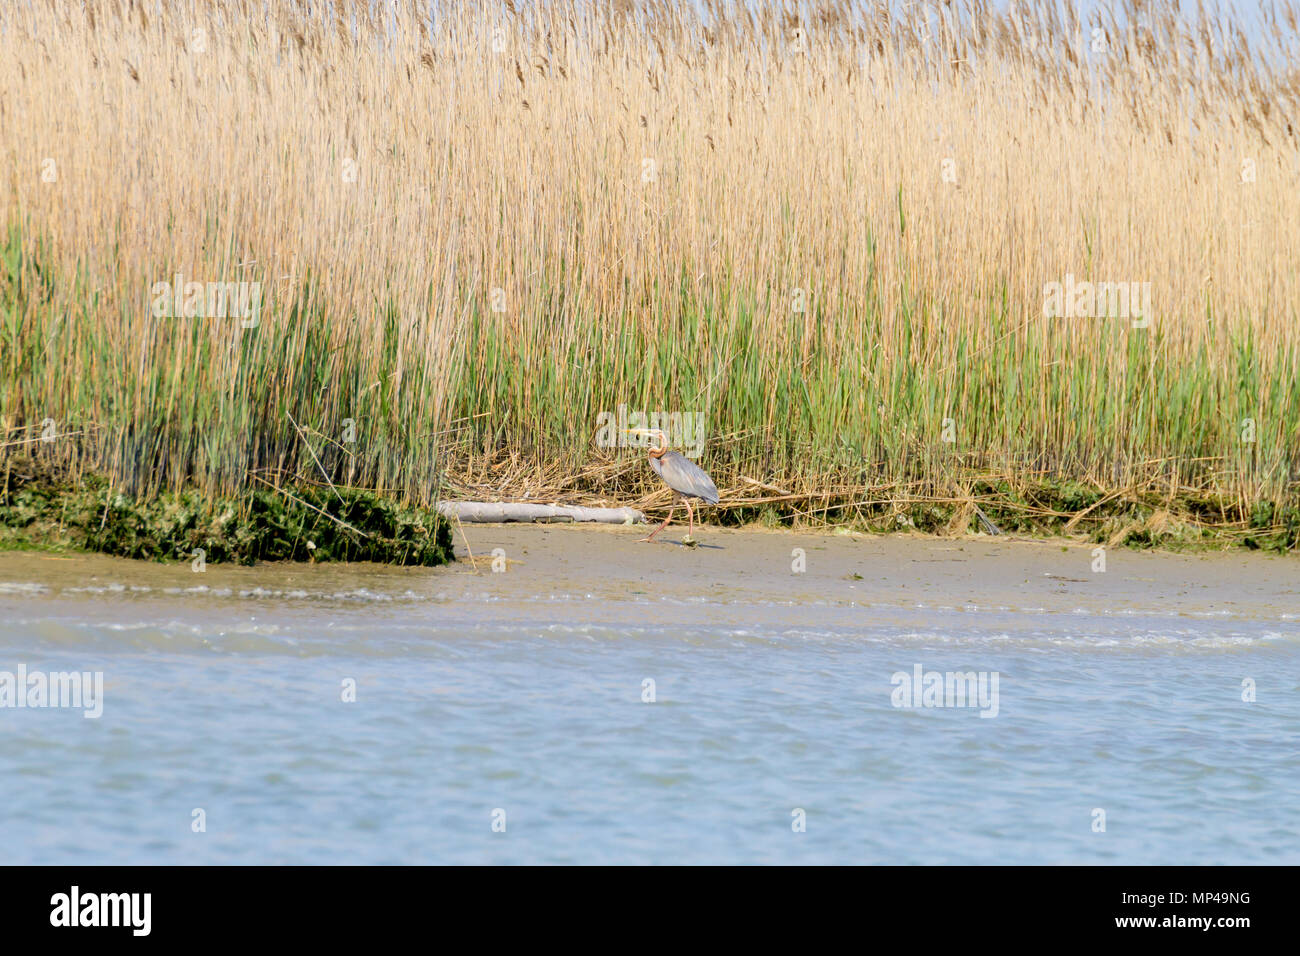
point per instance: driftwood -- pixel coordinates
(493, 511)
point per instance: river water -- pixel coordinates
(569, 726)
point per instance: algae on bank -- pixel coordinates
(41, 510)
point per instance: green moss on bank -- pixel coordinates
(39, 510)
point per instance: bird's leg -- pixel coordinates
(651, 536)
(690, 514)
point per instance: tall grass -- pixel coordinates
(477, 231)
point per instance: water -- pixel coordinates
(227, 699)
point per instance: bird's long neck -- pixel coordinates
(658, 452)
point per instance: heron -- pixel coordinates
(687, 480)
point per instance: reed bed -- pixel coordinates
(827, 227)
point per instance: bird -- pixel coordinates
(687, 480)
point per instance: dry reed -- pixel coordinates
(827, 226)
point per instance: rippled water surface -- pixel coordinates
(228, 699)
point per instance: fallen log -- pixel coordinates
(502, 511)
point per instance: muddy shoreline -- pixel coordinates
(763, 567)
(885, 569)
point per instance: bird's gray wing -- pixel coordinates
(687, 478)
